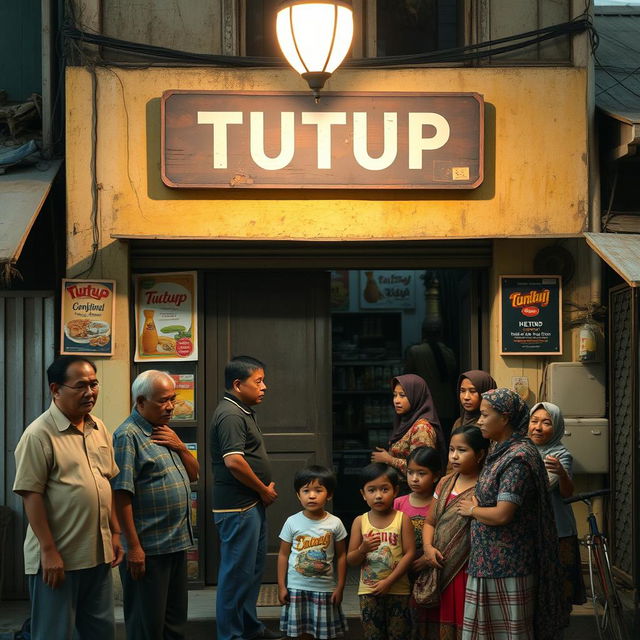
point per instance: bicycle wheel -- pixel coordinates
(607, 606)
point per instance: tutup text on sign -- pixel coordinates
(349, 140)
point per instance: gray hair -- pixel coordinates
(144, 383)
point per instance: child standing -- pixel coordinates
(309, 542)
(424, 468)
(383, 544)
(446, 537)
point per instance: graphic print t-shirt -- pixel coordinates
(312, 551)
(417, 515)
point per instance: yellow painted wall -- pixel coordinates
(536, 180)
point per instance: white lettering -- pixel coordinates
(220, 120)
(360, 141)
(324, 122)
(418, 144)
(287, 141)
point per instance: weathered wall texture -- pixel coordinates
(536, 179)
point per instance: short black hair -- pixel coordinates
(377, 469)
(473, 437)
(240, 368)
(315, 472)
(57, 371)
(427, 457)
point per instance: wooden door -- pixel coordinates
(281, 318)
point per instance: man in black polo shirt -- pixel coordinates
(242, 488)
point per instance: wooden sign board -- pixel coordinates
(348, 140)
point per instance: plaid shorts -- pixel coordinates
(312, 612)
(499, 608)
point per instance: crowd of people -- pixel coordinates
(465, 537)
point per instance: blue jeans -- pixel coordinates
(80, 608)
(243, 550)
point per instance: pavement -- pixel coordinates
(202, 606)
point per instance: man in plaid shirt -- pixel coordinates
(152, 494)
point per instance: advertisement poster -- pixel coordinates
(531, 315)
(387, 290)
(340, 290)
(86, 324)
(184, 407)
(166, 316)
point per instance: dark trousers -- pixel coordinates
(80, 608)
(155, 607)
(243, 550)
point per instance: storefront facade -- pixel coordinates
(262, 256)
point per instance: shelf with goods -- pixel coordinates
(366, 357)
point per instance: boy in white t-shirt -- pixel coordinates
(310, 541)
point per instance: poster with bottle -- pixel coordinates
(166, 316)
(387, 289)
(87, 314)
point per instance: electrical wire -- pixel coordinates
(458, 54)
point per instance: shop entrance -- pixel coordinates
(332, 346)
(301, 308)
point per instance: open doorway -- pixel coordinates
(386, 323)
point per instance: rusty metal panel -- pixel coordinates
(26, 349)
(215, 139)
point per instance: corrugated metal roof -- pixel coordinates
(621, 251)
(618, 61)
(22, 194)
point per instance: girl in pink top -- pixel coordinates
(424, 469)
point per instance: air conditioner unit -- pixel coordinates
(588, 441)
(578, 389)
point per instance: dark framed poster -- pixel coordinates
(531, 315)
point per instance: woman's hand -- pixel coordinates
(465, 506)
(381, 455)
(554, 465)
(433, 557)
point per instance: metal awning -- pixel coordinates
(621, 251)
(22, 194)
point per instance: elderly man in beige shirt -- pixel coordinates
(64, 461)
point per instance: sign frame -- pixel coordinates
(108, 317)
(553, 315)
(241, 178)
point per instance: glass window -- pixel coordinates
(260, 28)
(415, 26)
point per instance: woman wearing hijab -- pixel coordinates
(415, 424)
(513, 589)
(471, 385)
(546, 430)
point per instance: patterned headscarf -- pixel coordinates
(510, 404)
(554, 446)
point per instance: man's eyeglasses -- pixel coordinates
(83, 386)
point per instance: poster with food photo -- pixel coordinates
(166, 320)
(87, 314)
(184, 406)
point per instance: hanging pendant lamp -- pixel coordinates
(315, 36)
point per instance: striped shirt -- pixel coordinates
(159, 484)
